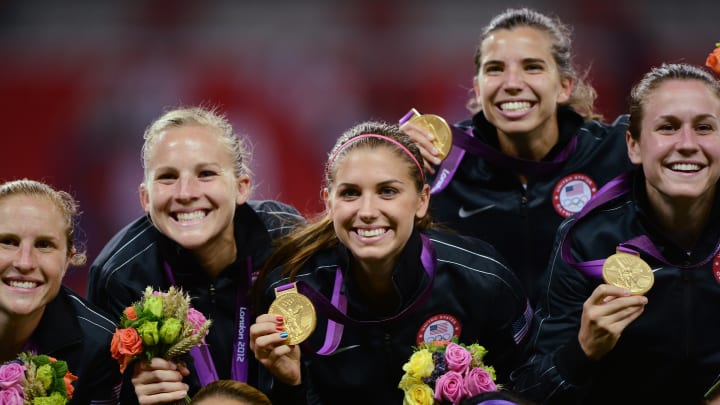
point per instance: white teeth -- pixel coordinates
(685, 167)
(371, 232)
(189, 216)
(515, 106)
(22, 284)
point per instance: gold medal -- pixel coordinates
(629, 271)
(438, 127)
(297, 311)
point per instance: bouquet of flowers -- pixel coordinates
(35, 380)
(446, 371)
(713, 60)
(161, 324)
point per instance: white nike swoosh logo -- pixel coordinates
(463, 213)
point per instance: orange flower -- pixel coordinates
(125, 344)
(69, 378)
(130, 313)
(713, 60)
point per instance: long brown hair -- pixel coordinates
(583, 95)
(652, 80)
(293, 250)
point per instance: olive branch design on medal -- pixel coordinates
(628, 270)
(437, 126)
(297, 311)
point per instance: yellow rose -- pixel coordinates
(419, 394)
(420, 364)
(408, 381)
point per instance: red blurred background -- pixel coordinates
(80, 80)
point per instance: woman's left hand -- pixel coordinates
(272, 351)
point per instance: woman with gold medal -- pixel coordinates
(648, 333)
(381, 281)
(534, 150)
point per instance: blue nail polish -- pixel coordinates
(284, 335)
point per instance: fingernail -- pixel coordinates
(279, 318)
(284, 335)
(279, 328)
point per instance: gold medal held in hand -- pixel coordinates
(629, 271)
(438, 127)
(297, 311)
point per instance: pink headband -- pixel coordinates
(383, 137)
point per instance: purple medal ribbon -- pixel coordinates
(336, 308)
(496, 402)
(613, 189)
(204, 365)
(464, 140)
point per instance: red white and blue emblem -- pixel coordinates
(716, 267)
(571, 193)
(437, 328)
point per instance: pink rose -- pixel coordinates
(196, 319)
(449, 387)
(477, 381)
(10, 375)
(457, 357)
(11, 397)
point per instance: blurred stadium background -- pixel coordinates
(80, 80)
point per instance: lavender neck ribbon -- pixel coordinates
(464, 140)
(496, 402)
(336, 308)
(204, 365)
(613, 189)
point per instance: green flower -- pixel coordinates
(170, 330)
(54, 399)
(45, 375)
(154, 305)
(148, 331)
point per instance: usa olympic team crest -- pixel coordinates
(571, 193)
(437, 328)
(716, 267)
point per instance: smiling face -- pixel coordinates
(191, 189)
(679, 143)
(518, 84)
(373, 204)
(33, 254)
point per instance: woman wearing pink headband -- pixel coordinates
(382, 281)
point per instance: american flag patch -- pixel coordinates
(522, 324)
(574, 190)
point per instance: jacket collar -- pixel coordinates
(59, 326)
(408, 275)
(251, 239)
(569, 123)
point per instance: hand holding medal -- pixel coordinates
(628, 270)
(436, 126)
(297, 311)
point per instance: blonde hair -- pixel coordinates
(66, 204)
(199, 116)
